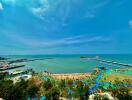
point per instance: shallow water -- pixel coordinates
(71, 63)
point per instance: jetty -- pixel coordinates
(11, 67)
(105, 61)
(113, 62)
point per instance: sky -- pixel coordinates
(65, 27)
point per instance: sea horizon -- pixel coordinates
(69, 54)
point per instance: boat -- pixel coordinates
(90, 58)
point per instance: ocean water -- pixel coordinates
(71, 63)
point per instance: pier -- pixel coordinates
(12, 67)
(113, 62)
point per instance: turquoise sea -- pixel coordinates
(71, 63)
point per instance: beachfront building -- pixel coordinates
(20, 77)
(19, 74)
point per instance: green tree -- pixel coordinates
(6, 88)
(10, 91)
(32, 90)
(53, 94)
(62, 84)
(47, 85)
(123, 94)
(19, 90)
(69, 83)
(82, 90)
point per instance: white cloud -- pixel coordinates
(59, 9)
(41, 10)
(130, 23)
(1, 7)
(93, 9)
(46, 43)
(9, 1)
(65, 7)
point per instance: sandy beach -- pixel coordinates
(72, 76)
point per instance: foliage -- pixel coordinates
(6, 87)
(47, 84)
(3, 75)
(62, 84)
(8, 90)
(19, 90)
(122, 93)
(82, 90)
(99, 97)
(69, 83)
(32, 90)
(53, 94)
(52, 89)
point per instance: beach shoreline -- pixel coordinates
(73, 76)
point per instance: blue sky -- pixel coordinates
(65, 26)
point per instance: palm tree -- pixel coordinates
(47, 84)
(62, 84)
(82, 90)
(53, 94)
